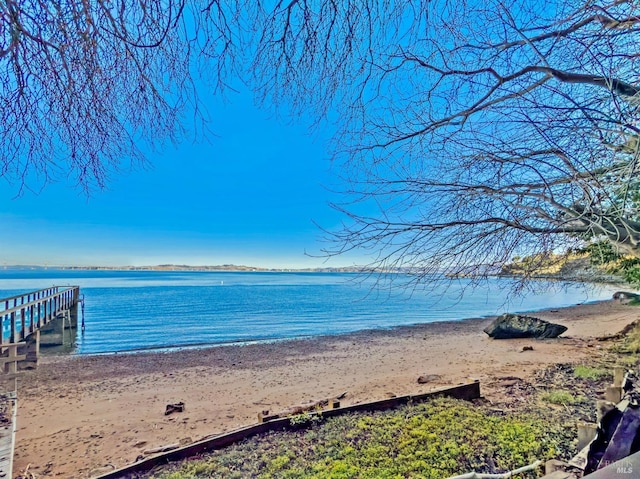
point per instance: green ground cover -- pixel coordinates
(437, 439)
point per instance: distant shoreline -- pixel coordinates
(232, 268)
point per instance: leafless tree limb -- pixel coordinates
(471, 132)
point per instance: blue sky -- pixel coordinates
(249, 196)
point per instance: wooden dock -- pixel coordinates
(27, 313)
(23, 318)
(34, 318)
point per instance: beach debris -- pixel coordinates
(165, 448)
(26, 474)
(186, 441)
(171, 408)
(509, 382)
(511, 326)
(527, 348)
(47, 468)
(264, 416)
(313, 405)
(104, 469)
(332, 402)
(427, 378)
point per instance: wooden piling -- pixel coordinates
(586, 433)
(613, 394)
(618, 377)
(33, 349)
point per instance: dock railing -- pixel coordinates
(23, 314)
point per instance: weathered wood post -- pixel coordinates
(618, 376)
(586, 433)
(23, 323)
(32, 353)
(73, 309)
(13, 338)
(613, 394)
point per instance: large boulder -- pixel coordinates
(510, 326)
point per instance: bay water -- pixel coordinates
(136, 310)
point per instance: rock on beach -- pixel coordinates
(511, 326)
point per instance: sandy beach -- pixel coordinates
(80, 416)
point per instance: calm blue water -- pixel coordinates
(131, 310)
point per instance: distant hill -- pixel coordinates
(568, 267)
(215, 268)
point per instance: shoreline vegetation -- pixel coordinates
(110, 408)
(597, 263)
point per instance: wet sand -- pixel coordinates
(80, 416)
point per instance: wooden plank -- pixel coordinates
(12, 359)
(10, 346)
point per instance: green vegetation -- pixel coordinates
(437, 439)
(589, 372)
(630, 344)
(561, 397)
(538, 264)
(602, 254)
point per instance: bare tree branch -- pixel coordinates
(471, 132)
